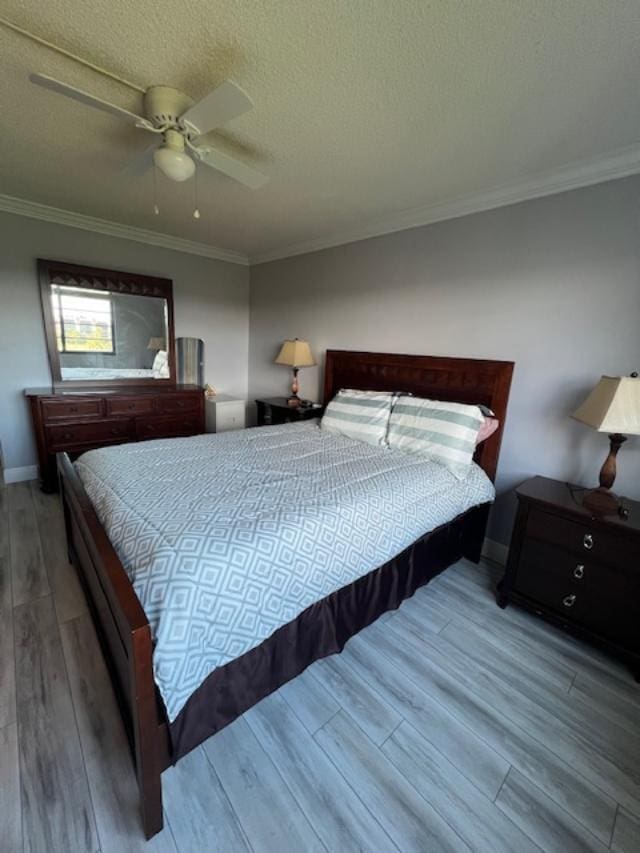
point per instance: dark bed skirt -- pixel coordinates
(320, 630)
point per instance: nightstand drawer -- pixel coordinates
(552, 577)
(588, 540)
(599, 597)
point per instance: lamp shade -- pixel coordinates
(156, 343)
(613, 406)
(295, 353)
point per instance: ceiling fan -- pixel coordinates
(179, 123)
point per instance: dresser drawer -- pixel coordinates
(168, 426)
(589, 540)
(52, 409)
(173, 403)
(131, 405)
(66, 437)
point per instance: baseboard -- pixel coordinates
(18, 475)
(495, 551)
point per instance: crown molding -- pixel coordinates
(34, 210)
(582, 173)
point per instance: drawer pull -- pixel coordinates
(115, 431)
(578, 572)
(68, 435)
(587, 541)
(73, 408)
(569, 600)
(179, 404)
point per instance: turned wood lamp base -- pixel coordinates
(602, 500)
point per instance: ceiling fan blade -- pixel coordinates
(218, 107)
(140, 163)
(83, 97)
(231, 167)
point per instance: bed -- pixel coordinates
(252, 504)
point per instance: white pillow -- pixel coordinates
(443, 432)
(363, 415)
(160, 368)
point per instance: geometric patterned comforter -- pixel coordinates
(228, 537)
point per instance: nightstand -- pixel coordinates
(224, 413)
(579, 571)
(274, 410)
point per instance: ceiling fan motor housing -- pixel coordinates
(164, 105)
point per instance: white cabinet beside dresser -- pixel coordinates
(225, 413)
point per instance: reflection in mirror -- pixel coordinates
(106, 335)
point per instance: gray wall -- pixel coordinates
(552, 284)
(211, 300)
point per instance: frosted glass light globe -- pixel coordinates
(176, 165)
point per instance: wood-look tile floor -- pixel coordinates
(447, 725)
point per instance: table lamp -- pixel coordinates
(613, 407)
(295, 354)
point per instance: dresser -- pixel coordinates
(75, 421)
(579, 571)
(275, 410)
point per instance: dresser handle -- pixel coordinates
(115, 431)
(578, 572)
(569, 600)
(68, 435)
(588, 541)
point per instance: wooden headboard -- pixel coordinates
(459, 380)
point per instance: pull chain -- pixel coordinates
(196, 210)
(156, 209)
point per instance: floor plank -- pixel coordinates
(407, 817)
(310, 703)
(112, 781)
(476, 759)
(376, 717)
(421, 614)
(7, 664)
(609, 704)
(270, 816)
(330, 804)
(597, 748)
(67, 593)
(496, 727)
(479, 605)
(472, 815)
(626, 835)
(56, 807)
(10, 813)
(542, 819)
(206, 820)
(28, 575)
(19, 496)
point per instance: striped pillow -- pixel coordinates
(363, 415)
(443, 432)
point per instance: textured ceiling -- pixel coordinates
(364, 108)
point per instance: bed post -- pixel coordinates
(145, 734)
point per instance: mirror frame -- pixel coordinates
(113, 281)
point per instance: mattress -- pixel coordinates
(228, 537)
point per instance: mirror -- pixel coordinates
(107, 327)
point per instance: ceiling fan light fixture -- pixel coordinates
(172, 159)
(174, 164)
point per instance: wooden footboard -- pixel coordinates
(125, 637)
